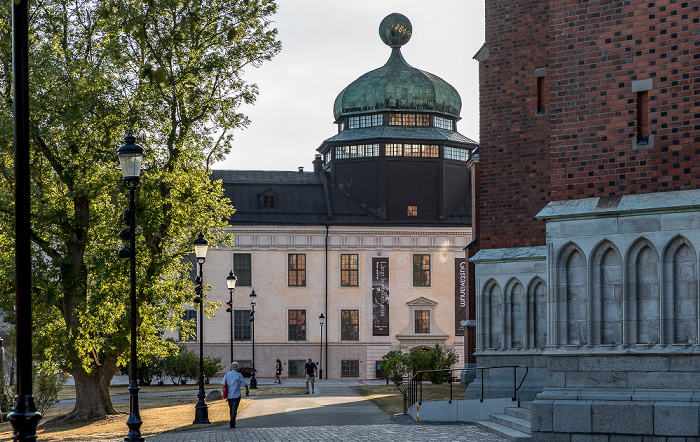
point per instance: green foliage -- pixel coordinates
(183, 366)
(170, 70)
(212, 366)
(47, 382)
(419, 359)
(441, 358)
(395, 366)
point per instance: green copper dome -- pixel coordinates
(397, 86)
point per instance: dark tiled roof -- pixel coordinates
(401, 132)
(302, 199)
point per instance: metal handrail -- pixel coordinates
(414, 391)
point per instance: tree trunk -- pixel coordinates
(92, 393)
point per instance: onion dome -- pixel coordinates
(397, 86)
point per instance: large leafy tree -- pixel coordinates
(171, 71)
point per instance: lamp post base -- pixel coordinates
(134, 421)
(24, 418)
(201, 413)
(253, 382)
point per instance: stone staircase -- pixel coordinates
(513, 425)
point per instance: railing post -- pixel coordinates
(481, 397)
(420, 379)
(515, 388)
(450, 379)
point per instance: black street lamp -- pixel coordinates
(253, 297)
(130, 157)
(24, 417)
(201, 245)
(231, 283)
(320, 361)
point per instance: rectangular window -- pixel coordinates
(296, 270)
(353, 122)
(268, 201)
(454, 153)
(411, 150)
(421, 270)
(443, 123)
(242, 268)
(540, 95)
(409, 119)
(241, 325)
(429, 150)
(349, 325)
(393, 150)
(190, 316)
(412, 211)
(296, 325)
(295, 368)
(349, 268)
(643, 117)
(422, 324)
(349, 368)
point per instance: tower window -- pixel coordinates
(412, 211)
(643, 117)
(443, 123)
(540, 73)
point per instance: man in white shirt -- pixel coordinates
(233, 379)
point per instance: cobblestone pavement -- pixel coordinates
(383, 432)
(335, 413)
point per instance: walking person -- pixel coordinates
(278, 372)
(232, 383)
(311, 371)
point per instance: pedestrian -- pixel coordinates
(278, 371)
(311, 370)
(232, 391)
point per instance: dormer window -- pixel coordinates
(268, 199)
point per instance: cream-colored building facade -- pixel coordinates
(269, 248)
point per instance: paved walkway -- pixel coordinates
(335, 413)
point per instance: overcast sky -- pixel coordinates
(326, 45)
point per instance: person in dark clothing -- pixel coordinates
(311, 371)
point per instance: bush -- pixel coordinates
(147, 371)
(182, 367)
(211, 367)
(395, 366)
(441, 358)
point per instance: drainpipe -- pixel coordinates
(325, 308)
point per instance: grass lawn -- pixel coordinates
(390, 399)
(174, 414)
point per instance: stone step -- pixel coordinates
(522, 413)
(513, 422)
(503, 431)
(527, 405)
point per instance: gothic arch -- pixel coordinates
(606, 306)
(571, 296)
(492, 308)
(536, 313)
(680, 293)
(515, 314)
(643, 295)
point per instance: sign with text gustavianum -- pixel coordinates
(460, 295)
(380, 296)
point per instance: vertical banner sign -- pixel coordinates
(380, 296)
(460, 294)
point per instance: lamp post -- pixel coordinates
(320, 361)
(130, 157)
(24, 417)
(253, 297)
(231, 283)
(201, 245)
